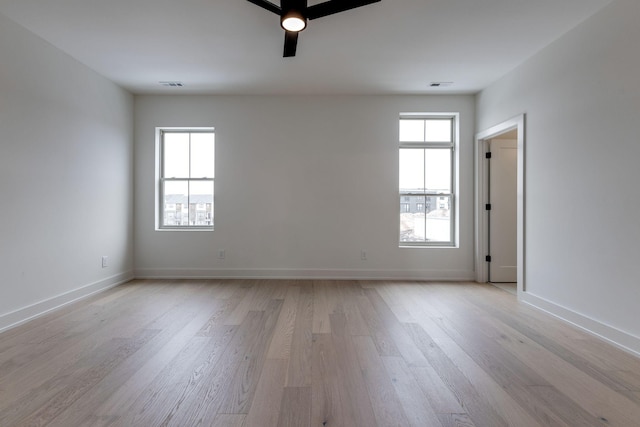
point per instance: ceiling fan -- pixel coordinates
(295, 13)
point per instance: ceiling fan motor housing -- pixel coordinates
(293, 20)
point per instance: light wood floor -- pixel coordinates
(310, 353)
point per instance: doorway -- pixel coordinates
(502, 171)
(500, 204)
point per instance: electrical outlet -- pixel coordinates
(105, 261)
(222, 254)
(363, 255)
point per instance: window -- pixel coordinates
(427, 176)
(187, 170)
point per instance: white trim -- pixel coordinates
(481, 218)
(25, 314)
(299, 273)
(160, 178)
(454, 146)
(608, 333)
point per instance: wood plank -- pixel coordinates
(570, 380)
(386, 405)
(299, 370)
(228, 420)
(630, 380)
(321, 311)
(441, 398)
(349, 293)
(350, 379)
(118, 293)
(564, 411)
(492, 391)
(383, 341)
(329, 405)
(217, 318)
(633, 396)
(455, 420)
(191, 386)
(597, 352)
(596, 370)
(415, 404)
(516, 378)
(129, 379)
(46, 344)
(265, 407)
(280, 347)
(405, 345)
(173, 386)
(100, 367)
(566, 377)
(237, 316)
(257, 298)
(479, 409)
(395, 296)
(295, 408)
(240, 391)
(54, 346)
(149, 363)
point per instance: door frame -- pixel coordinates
(481, 193)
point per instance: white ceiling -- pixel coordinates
(235, 47)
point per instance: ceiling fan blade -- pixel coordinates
(290, 43)
(267, 5)
(299, 5)
(334, 6)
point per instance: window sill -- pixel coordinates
(185, 229)
(445, 246)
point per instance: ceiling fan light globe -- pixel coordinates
(293, 22)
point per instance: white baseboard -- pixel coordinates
(614, 336)
(23, 315)
(321, 274)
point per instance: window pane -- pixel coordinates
(438, 130)
(176, 203)
(411, 169)
(201, 203)
(176, 155)
(412, 219)
(438, 170)
(202, 155)
(425, 219)
(411, 130)
(438, 219)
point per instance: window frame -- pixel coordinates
(452, 145)
(161, 179)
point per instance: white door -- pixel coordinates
(503, 178)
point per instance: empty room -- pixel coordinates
(319, 213)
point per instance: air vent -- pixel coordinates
(441, 84)
(172, 84)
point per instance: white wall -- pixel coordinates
(581, 96)
(66, 157)
(303, 184)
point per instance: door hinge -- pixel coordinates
(487, 206)
(487, 155)
(488, 258)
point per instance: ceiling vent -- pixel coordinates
(172, 84)
(441, 84)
